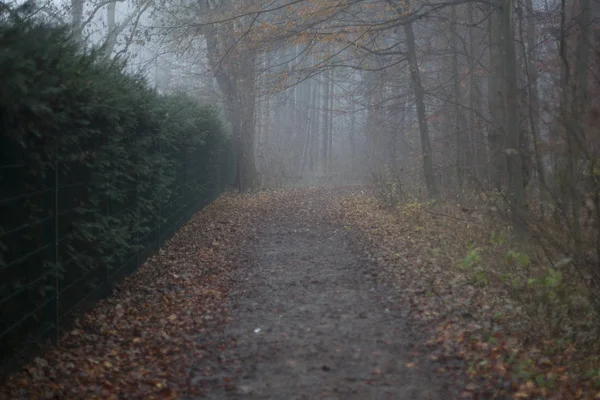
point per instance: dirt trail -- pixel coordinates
(312, 320)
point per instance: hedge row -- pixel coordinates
(97, 170)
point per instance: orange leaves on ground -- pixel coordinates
(142, 341)
(474, 334)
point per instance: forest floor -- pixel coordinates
(273, 295)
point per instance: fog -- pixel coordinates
(275, 198)
(330, 86)
(428, 93)
(434, 99)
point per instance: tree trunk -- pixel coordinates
(330, 145)
(236, 79)
(307, 100)
(420, 103)
(246, 94)
(581, 84)
(77, 19)
(352, 132)
(516, 189)
(111, 25)
(457, 107)
(372, 84)
(325, 137)
(476, 137)
(314, 153)
(580, 97)
(114, 29)
(534, 105)
(496, 98)
(394, 118)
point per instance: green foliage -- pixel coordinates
(111, 166)
(497, 239)
(472, 264)
(472, 260)
(545, 295)
(517, 258)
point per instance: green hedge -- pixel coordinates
(97, 170)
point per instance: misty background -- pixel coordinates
(430, 92)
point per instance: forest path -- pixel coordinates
(311, 319)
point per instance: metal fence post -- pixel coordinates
(56, 255)
(137, 220)
(218, 171)
(174, 195)
(106, 272)
(159, 205)
(185, 174)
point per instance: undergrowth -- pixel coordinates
(525, 305)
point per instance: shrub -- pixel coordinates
(97, 170)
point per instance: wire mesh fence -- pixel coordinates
(51, 270)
